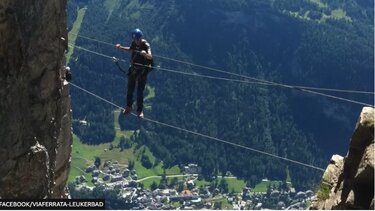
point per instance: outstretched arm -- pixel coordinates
(123, 48)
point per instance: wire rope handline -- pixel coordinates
(115, 60)
(240, 75)
(200, 134)
(242, 81)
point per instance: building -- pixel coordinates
(95, 173)
(116, 178)
(126, 173)
(192, 169)
(90, 168)
(106, 177)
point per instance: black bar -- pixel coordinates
(52, 204)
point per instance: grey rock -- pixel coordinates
(34, 104)
(352, 178)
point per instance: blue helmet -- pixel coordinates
(137, 33)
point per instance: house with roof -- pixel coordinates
(192, 168)
(90, 168)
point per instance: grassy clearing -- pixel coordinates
(225, 205)
(84, 155)
(147, 183)
(75, 171)
(110, 6)
(150, 93)
(116, 114)
(262, 187)
(77, 168)
(127, 133)
(340, 14)
(336, 14)
(143, 172)
(72, 34)
(235, 184)
(319, 3)
(173, 170)
(86, 152)
(175, 205)
(201, 183)
(116, 154)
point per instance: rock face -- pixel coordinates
(35, 114)
(348, 183)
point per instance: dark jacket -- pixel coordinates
(136, 57)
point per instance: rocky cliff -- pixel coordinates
(35, 114)
(348, 183)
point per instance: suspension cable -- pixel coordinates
(238, 75)
(175, 71)
(200, 134)
(261, 82)
(93, 52)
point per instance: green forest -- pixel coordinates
(317, 43)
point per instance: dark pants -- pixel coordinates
(136, 76)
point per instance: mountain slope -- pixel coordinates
(272, 40)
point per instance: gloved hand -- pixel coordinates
(143, 52)
(118, 45)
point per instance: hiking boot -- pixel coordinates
(127, 110)
(140, 114)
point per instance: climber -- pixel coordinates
(140, 66)
(67, 73)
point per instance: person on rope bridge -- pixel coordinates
(140, 65)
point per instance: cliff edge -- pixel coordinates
(348, 183)
(35, 114)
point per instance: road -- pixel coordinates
(168, 176)
(178, 175)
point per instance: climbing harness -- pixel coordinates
(116, 62)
